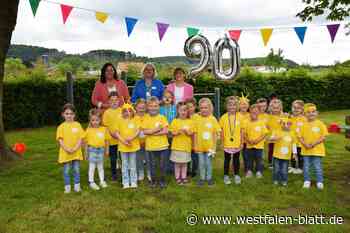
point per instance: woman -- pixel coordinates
(109, 82)
(181, 90)
(149, 85)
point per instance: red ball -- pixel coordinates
(19, 148)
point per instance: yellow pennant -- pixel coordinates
(266, 34)
(102, 17)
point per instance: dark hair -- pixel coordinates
(103, 71)
(261, 100)
(192, 101)
(68, 106)
(179, 69)
(178, 106)
(113, 93)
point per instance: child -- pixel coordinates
(255, 134)
(273, 124)
(285, 146)
(262, 105)
(181, 147)
(244, 115)
(141, 155)
(312, 136)
(110, 121)
(232, 138)
(298, 119)
(96, 146)
(191, 108)
(205, 137)
(69, 136)
(127, 134)
(155, 127)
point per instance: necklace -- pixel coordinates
(232, 131)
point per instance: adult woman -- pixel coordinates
(149, 85)
(109, 82)
(182, 91)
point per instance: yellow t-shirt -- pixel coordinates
(70, 133)
(110, 120)
(194, 116)
(273, 124)
(205, 130)
(139, 120)
(97, 137)
(181, 142)
(254, 130)
(283, 148)
(155, 142)
(311, 132)
(128, 128)
(264, 117)
(297, 122)
(231, 130)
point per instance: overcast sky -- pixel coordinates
(82, 32)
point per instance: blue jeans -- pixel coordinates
(113, 155)
(76, 171)
(141, 158)
(129, 163)
(245, 158)
(255, 157)
(161, 156)
(280, 170)
(316, 162)
(205, 166)
(194, 162)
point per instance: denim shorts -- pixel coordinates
(95, 155)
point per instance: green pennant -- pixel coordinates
(192, 31)
(34, 4)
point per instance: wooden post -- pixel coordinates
(70, 87)
(217, 102)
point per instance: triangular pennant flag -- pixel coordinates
(266, 34)
(333, 29)
(235, 34)
(162, 28)
(34, 5)
(192, 31)
(101, 16)
(300, 31)
(130, 24)
(65, 9)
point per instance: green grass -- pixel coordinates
(32, 198)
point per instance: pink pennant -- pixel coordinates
(235, 34)
(65, 12)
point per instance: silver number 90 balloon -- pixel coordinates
(206, 57)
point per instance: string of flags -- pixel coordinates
(162, 28)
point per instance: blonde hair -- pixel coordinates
(172, 95)
(140, 101)
(94, 112)
(234, 99)
(208, 101)
(153, 99)
(299, 102)
(253, 106)
(275, 101)
(155, 74)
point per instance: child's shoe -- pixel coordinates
(284, 183)
(133, 185)
(94, 186)
(77, 188)
(126, 186)
(152, 184)
(67, 188)
(259, 175)
(307, 184)
(211, 182)
(298, 171)
(103, 184)
(162, 184)
(275, 182)
(141, 177)
(270, 166)
(227, 179)
(291, 170)
(319, 185)
(200, 183)
(237, 179)
(249, 174)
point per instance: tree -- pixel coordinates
(8, 16)
(334, 10)
(275, 60)
(14, 67)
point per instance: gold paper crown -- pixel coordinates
(310, 107)
(127, 106)
(244, 99)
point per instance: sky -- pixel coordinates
(82, 32)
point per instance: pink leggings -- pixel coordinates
(180, 170)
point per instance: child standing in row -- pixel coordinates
(312, 136)
(244, 115)
(70, 136)
(127, 134)
(255, 134)
(232, 138)
(191, 108)
(96, 146)
(262, 105)
(181, 147)
(205, 138)
(155, 127)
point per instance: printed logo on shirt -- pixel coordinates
(300, 123)
(157, 124)
(154, 88)
(206, 135)
(100, 135)
(284, 150)
(287, 138)
(257, 128)
(131, 126)
(75, 130)
(315, 129)
(185, 127)
(208, 125)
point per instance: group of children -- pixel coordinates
(178, 140)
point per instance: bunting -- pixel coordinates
(235, 34)
(266, 34)
(101, 16)
(130, 24)
(162, 28)
(34, 4)
(192, 31)
(333, 29)
(66, 10)
(300, 31)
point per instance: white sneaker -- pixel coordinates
(307, 184)
(258, 175)
(134, 185)
(103, 184)
(249, 174)
(77, 188)
(227, 179)
(67, 189)
(298, 171)
(291, 170)
(126, 186)
(149, 177)
(94, 186)
(275, 182)
(284, 183)
(141, 177)
(319, 185)
(237, 179)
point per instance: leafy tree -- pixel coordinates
(14, 67)
(275, 60)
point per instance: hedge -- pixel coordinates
(34, 103)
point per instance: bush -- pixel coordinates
(37, 102)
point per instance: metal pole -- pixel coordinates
(70, 87)
(217, 102)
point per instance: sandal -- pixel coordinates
(185, 181)
(178, 181)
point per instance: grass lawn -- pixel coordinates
(32, 198)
